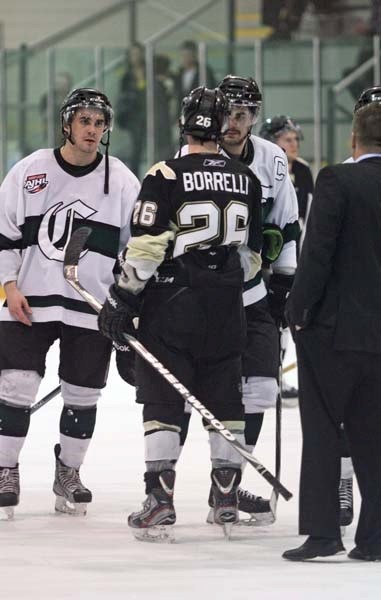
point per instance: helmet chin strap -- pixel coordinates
(106, 186)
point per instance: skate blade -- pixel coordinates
(290, 402)
(257, 520)
(76, 509)
(158, 534)
(343, 530)
(227, 529)
(9, 513)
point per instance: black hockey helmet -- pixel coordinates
(242, 91)
(367, 96)
(272, 128)
(86, 98)
(203, 113)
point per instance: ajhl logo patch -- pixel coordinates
(35, 183)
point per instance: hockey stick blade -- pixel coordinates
(71, 259)
(73, 251)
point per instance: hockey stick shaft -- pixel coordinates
(72, 255)
(289, 367)
(278, 427)
(45, 399)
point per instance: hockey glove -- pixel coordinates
(272, 243)
(125, 362)
(279, 287)
(118, 311)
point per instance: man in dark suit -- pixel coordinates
(334, 310)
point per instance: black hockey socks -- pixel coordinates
(253, 426)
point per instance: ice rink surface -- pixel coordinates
(46, 556)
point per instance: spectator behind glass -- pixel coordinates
(131, 104)
(285, 16)
(188, 76)
(63, 85)
(163, 94)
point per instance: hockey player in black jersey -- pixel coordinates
(196, 236)
(280, 220)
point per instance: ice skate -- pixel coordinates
(290, 396)
(346, 503)
(154, 522)
(72, 497)
(258, 508)
(224, 490)
(9, 490)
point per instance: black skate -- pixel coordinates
(9, 489)
(154, 522)
(72, 497)
(346, 502)
(289, 396)
(225, 482)
(257, 507)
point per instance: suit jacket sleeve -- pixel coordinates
(318, 254)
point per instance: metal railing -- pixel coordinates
(86, 23)
(335, 90)
(47, 48)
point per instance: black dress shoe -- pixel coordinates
(314, 547)
(364, 553)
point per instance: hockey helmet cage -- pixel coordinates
(272, 128)
(204, 113)
(367, 96)
(242, 91)
(86, 98)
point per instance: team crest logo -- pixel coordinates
(35, 183)
(57, 225)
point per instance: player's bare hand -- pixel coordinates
(17, 303)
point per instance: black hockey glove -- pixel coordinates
(118, 311)
(278, 289)
(125, 362)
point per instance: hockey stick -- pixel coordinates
(289, 367)
(278, 430)
(45, 399)
(72, 255)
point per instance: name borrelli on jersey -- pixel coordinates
(216, 181)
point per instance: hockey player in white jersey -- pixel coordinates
(45, 197)
(263, 306)
(281, 230)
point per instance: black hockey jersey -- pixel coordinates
(302, 179)
(200, 202)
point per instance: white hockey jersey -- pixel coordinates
(279, 203)
(40, 205)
